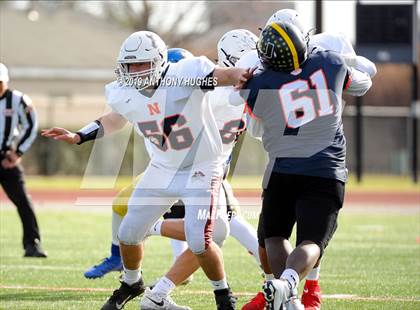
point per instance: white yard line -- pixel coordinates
(209, 292)
(41, 267)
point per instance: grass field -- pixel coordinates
(373, 263)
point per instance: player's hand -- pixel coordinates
(61, 134)
(11, 160)
(244, 76)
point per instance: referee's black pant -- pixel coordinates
(14, 186)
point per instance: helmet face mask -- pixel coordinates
(138, 79)
(233, 44)
(229, 58)
(139, 48)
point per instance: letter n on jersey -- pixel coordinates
(153, 108)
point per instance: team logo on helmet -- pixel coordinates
(282, 47)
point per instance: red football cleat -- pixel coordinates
(311, 297)
(256, 303)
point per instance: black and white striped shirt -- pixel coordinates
(18, 121)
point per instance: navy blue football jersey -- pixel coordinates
(300, 113)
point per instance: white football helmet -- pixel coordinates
(233, 44)
(290, 16)
(4, 73)
(142, 47)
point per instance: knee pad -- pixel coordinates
(198, 241)
(119, 208)
(120, 202)
(131, 232)
(221, 230)
(128, 233)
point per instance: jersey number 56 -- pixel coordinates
(167, 135)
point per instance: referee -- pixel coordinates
(18, 116)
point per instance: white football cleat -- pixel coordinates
(152, 301)
(276, 293)
(294, 304)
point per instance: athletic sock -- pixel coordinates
(219, 285)
(155, 230)
(314, 274)
(131, 276)
(163, 287)
(291, 277)
(116, 222)
(115, 251)
(268, 276)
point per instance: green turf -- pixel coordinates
(372, 255)
(381, 183)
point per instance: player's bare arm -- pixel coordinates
(232, 76)
(104, 125)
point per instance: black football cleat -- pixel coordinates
(123, 295)
(35, 250)
(225, 299)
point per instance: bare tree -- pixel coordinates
(195, 25)
(136, 18)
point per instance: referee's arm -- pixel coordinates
(28, 122)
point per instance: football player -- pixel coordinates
(120, 205)
(164, 103)
(306, 147)
(363, 70)
(231, 123)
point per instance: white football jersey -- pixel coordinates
(177, 123)
(336, 42)
(230, 119)
(339, 43)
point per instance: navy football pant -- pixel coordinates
(14, 186)
(311, 202)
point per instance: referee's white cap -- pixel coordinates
(4, 73)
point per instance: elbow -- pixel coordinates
(360, 89)
(372, 72)
(365, 65)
